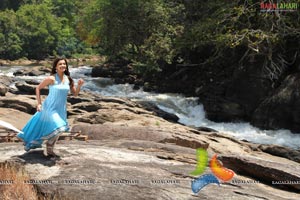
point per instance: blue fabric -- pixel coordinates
(51, 120)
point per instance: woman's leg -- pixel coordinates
(50, 145)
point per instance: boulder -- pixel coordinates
(237, 96)
(21, 103)
(74, 100)
(282, 109)
(24, 88)
(87, 106)
(157, 111)
(99, 71)
(266, 171)
(30, 72)
(281, 151)
(5, 80)
(3, 89)
(219, 109)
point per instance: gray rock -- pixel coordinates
(281, 151)
(3, 90)
(21, 103)
(106, 131)
(75, 100)
(94, 118)
(122, 101)
(152, 107)
(282, 108)
(24, 88)
(30, 72)
(5, 80)
(127, 142)
(88, 106)
(205, 129)
(268, 172)
(126, 169)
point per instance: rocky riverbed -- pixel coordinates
(228, 94)
(136, 151)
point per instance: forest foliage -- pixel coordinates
(153, 33)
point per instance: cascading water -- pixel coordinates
(189, 111)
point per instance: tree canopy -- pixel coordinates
(37, 29)
(152, 33)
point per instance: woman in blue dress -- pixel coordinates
(51, 117)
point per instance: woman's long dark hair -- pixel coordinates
(67, 72)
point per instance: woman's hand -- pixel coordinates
(76, 90)
(80, 82)
(39, 107)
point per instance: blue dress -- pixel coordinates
(51, 120)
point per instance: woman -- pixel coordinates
(51, 118)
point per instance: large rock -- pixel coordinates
(132, 152)
(219, 109)
(100, 71)
(36, 71)
(284, 175)
(87, 106)
(152, 107)
(281, 151)
(3, 90)
(21, 103)
(75, 100)
(5, 81)
(282, 109)
(24, 88)
(14, 116)
(107, 131)
(127, 169)
(118, 69)
(237, 98)
(96, 103)
(119, 125)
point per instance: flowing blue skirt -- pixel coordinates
(42, 127)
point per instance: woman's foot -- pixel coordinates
(50, 151)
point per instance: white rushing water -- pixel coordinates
(189, 111)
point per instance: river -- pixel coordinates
(189, 110)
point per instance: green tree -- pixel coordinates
(9, 4)
(236, 32)
(142, 31)
(66, 9)
(89, 25)
(39, 30)
(48, 2)
(10, 42)
(68, 44)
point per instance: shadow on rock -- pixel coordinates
(36, 157)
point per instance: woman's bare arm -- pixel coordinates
(75, 90)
